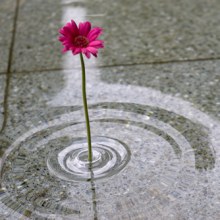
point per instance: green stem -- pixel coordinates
(86, 108)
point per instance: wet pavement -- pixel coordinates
(157, 82)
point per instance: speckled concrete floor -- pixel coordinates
(165, 54)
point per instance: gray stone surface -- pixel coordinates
(166, 113)
(197, 82)
(4, 52)
(133, 102)
(153, 31)
(36, 44)
(7, 9)
(31, 91)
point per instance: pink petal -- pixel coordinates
(67, 31)
(87, 54)
(70, 30)
(97, 44)
(64, 50)
(69, 26)
(61, 31)
(61, 38)
(84, 28)
(76, 51)
(92, 50)
(75, 28)
(94, 34)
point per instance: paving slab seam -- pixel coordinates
(8, 73)
(117, 65)
(162, 62)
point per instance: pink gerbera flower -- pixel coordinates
(81, 40)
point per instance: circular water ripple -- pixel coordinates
(142, 154)
(71, 163)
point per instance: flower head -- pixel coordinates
(81, 39)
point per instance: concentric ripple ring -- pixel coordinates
(143, 149)
(71, 163)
